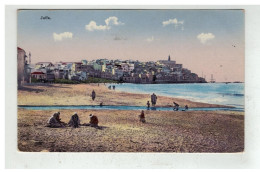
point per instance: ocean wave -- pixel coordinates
(231, 94)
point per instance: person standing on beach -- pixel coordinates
(153, 99)
(142, 117)
(93, 95)
(186, 107)
(114, 87)
(148, 105)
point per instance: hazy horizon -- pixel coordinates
(204, 41)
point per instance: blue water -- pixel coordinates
(231, 94)
(124, 108)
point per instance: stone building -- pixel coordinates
(23, 67)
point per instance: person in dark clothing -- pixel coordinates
(186, 107)
(93, 95)
(93, 121)
(74, 121)
(153, 99)
(101, 104)
(176, 106)
(142, 117)
(114, 87)
(148, 105)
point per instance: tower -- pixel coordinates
(29, 57)
(169, 58)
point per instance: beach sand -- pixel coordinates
(80, 94)
(164, 131)
(121, 131)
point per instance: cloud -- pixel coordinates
(61, 36)
(204, 37)
(109, 22)
(174, 21)
(150, 39)
(113, 21)
(93, 26)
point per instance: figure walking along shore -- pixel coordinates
(153, 99)
(93, 95)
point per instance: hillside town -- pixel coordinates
(128, 71)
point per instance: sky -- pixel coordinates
(204, 41)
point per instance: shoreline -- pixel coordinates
(79, 94)
(179, 98)
(232, 107)
(124, 108)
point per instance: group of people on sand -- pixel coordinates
(114, 87)
(154, 100)
(176, 107)
(74, 122)
(55, 121)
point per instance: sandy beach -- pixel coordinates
(122, 132)
(164, 131)
(66, 94)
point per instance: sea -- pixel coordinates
(230, 94)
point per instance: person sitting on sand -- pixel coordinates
(55, 121)
(142, 117)
(74, 121)
(93, 121)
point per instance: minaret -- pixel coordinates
(169, 58)
(29, 57)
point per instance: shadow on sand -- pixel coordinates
(97, 127)
(37, 90)
(81, 125)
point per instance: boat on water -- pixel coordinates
(212, 80)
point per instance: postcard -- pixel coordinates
(137, 80)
